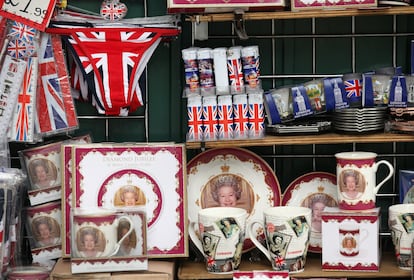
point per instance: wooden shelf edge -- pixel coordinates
(325, 138)
(314, 13)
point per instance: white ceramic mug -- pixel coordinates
(44, 224)
(95, 233)
(401, 225)
(356, 179)
(350, 236)
(287, 230)
(219, 236)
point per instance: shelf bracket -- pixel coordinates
(239, 26)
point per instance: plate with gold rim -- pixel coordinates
(314, 190)
(256, 184)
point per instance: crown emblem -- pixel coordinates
(225, 168)
(321, 189)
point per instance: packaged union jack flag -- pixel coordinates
(240, 116)
(225, 117)
(210, 117)
(194, 118)
(55, 107)
(192, 77)
(256, 115)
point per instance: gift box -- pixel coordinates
(300, 5)
(216, 6)
(157, 270)
(350, 240)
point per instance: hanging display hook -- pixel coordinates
(239, 24)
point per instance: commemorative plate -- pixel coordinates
(257, 185)
(314, 190)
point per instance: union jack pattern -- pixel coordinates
(22, 128)
(55, 109)
(113, 60)
(256, 120)
(210, 121)
(195, 123)
(113, 10)
(235, 73)
(22, 31)
(241, 120)
(18, 48)
(225, 121)
(353, 89)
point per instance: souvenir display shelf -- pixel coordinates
(388, 269)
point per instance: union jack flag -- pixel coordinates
(55, 108)
(256, 120)
(235, 73)
(241, 120)
(210, 121)
(22, 31)
(353, 89)
(195, 123)
(18, 48)
(225, 121)
(22, 128)
(279, 261)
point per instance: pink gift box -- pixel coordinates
(216, 6)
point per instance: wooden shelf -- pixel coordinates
(188, 270)
(316, 13)
(325, 138)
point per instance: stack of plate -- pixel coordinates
(360, 120)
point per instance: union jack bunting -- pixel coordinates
(113, 60)
(22, 40)
(195, 121)
(256, 115)
(353, 89)
(22, 125)
(55, 108)
(240, 119)
(210, 117)
(225, 117)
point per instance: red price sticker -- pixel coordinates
(35, 13)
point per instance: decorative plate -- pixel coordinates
(314, 190)
(258, 185)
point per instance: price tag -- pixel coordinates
(36, 13)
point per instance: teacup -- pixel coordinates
(401, 225)
(356, 179)
(95, 233)
(220, 237)
(287, 230)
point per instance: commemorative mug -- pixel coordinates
(356, 179)
(350, 236)
(287, 230)
(219, 236)
(44, 224)
(95, 233)
(401, 225)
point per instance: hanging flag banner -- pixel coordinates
(22, 125)
(35, 13)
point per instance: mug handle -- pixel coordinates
(253, 238)
(391, 172)
(194, 237)
(131, 228)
